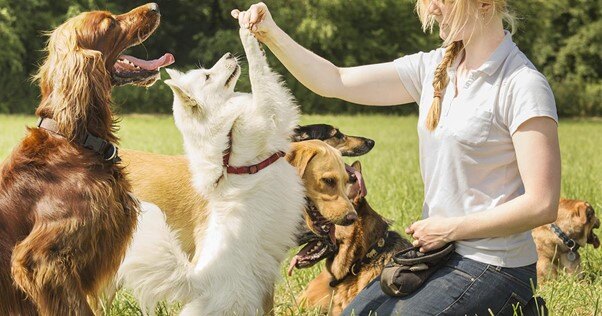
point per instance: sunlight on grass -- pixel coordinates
(395, 190)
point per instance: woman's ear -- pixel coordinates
(485, 7)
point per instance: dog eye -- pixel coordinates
(207, 77)
(352, 178)
(112, 23)
(330, 181)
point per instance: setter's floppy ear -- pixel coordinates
(299, 156)
(66, 78)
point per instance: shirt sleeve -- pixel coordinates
(413, 70)
(529, 96)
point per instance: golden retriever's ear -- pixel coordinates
(299, 157)
(357, 166)
(181, 94)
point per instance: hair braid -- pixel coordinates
(440, 83)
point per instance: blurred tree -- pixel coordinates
(562, 38)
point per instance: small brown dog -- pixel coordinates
(557, 246)
(66, 214)
(346, 144)
(363, 250)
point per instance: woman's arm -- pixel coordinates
(538, 158)
(377, 84)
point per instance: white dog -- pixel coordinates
(253, 217)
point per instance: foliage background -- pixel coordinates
(563, 38)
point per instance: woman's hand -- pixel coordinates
(433, 233)
(257, 19)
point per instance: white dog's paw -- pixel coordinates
(250, 42)
(245, 34)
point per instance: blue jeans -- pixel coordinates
(462, 286)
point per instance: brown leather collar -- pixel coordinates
(248, 169)
(108, 151)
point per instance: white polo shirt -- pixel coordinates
(468, 163)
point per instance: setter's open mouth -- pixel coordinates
(132, 70)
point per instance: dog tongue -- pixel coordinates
(155, 64)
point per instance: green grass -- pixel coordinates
(395, 190)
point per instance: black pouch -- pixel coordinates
(409, 268)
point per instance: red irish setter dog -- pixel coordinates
(66, 214)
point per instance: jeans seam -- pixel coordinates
(513, 278)
(466, 290)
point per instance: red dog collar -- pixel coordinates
(248, 169)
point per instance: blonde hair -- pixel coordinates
(462, 11)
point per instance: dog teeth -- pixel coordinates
(127, 62)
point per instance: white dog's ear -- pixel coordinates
(181, 94)
(174, 74)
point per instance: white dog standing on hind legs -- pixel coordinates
(252, 217)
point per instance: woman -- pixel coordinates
(489, 152)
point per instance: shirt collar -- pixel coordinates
(493, 63)
(499, 55)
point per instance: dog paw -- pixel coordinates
(249, 41)
(244, 32)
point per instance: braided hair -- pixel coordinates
(440, 82)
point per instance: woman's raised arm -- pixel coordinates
(377, 84)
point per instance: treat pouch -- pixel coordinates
(409, 268)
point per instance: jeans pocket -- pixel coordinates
(513, 306)
(462, 273)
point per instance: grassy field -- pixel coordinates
(395, 190)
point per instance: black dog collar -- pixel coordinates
(108, 151)
(570, 243)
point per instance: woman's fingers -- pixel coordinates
(250, 17)
(240, 15)
(255, 14)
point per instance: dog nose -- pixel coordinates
(153, 7)
(370, 143)
(229, 56)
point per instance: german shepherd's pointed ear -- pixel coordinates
(299, 157)
(357, 165)
(178, 91)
